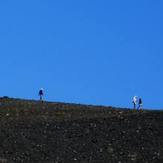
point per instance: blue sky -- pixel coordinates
(90, 51)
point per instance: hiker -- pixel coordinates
(41, 94)
(134, 101)
(140, 104)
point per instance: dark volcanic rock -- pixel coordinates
(56, 132)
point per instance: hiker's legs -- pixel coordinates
(134, 106)
(41, 98)
(140, 108)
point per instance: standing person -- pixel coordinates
(134, 100)
(41, 94)
(140, 104)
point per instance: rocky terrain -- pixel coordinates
(31, 131)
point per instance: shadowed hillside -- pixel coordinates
(31, 131)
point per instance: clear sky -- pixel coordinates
(84, 51)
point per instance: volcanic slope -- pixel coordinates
(31, 131)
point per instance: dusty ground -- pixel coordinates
(55, 132)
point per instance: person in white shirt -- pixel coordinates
(134, 100)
